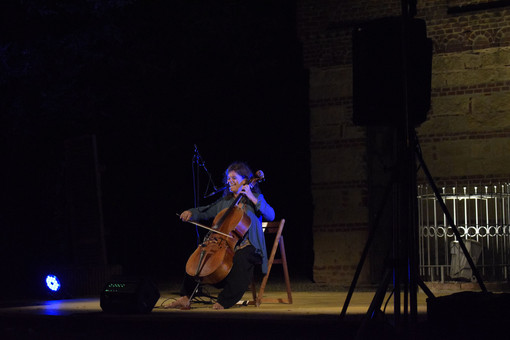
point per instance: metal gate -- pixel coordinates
(481, 215)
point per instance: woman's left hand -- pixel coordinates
(246, 190)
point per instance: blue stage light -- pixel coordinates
(52, 283)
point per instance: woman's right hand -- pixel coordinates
(185, 215)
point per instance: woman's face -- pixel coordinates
(235, 181)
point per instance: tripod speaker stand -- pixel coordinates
(401, 262)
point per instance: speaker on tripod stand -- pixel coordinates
(391, 88)
(392, 61)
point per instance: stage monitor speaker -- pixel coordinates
(384, 91)
(469, 315)
(129, 296)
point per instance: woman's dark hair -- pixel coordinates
(244, 171)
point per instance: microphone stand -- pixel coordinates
(195, 170)
(197, 163)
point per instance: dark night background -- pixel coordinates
(148, 79)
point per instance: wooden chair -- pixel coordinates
(275, 227)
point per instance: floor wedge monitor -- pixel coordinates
(129, 296)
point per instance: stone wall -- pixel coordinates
(465, 139)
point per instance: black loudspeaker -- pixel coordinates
(129, 296)
(469, 315)
(384, 89)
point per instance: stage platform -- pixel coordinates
(314, 314)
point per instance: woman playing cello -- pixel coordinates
(251, 249)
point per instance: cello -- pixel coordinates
(211, 262)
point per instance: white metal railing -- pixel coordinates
(481, 215)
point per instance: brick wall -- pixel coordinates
(465, 138)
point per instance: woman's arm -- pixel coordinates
(265, 209)
(258, 200)
(201, 213)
